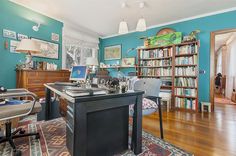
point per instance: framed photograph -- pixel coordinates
(112, 52)
(13, 45)
(47, 49)
(128, 61)
(55, 37)
(9, 34)
(21, 36)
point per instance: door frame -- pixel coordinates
(212, 61)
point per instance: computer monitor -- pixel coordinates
(78, 73)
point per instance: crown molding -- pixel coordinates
(176, 21)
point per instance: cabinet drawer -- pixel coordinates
(36, 89)
(35, 81)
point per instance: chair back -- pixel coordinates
(151, 87)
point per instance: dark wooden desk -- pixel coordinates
(98, 125)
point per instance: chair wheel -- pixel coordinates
(37, 136)
(17, 153)
(22, 131)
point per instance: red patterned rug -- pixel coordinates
(53, 142)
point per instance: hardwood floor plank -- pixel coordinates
(203, 134)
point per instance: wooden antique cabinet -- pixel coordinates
(34, 80)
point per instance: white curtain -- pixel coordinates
(219, 62)
(230, 68)
(77, 46)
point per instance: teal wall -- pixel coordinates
(206, 25)
(19, 19)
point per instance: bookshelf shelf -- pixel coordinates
(180, 63)
(184, 96)
(186, 65)
(154, 66)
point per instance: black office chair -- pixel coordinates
(8, 112)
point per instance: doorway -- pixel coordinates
(223, 63)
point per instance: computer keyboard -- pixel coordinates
(66, 84)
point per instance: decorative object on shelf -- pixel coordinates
(165, 40)
(112, 52)
(13, 46)
(128, 62)
(36, 27)
(165, 31)
(55, 37)
(29, 47)
(6, 44)
(9, 34)
(47, 49)
(192, 36)
(21, 36)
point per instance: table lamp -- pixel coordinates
(29, 47)
(92, 62)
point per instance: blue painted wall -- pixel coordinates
(206, 25)
(19, 19)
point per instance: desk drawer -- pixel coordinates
(70, 120)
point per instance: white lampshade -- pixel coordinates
(91, 61)
(28, 46)
(141, 25)
(123, 27)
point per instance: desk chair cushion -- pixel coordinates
(13, 110)
(148, 107)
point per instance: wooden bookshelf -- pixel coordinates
(181, 64)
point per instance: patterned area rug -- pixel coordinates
(53, 142)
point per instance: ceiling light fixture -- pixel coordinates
(123, 26)
(141, 25)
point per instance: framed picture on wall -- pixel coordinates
(128, 61)
(47, 49)
(112, 52)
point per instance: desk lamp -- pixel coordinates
(29, 47)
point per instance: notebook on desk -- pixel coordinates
(76, 91)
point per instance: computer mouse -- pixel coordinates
(2, 89)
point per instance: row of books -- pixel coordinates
(157, 53)
(186, 60)
(185, 92)
(185, 82)
(156, 71)
(187, 49)
(156, 63)
(185, 103)
(185, 71)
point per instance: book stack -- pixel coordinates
(187, 49)
(185, 92)
(157, 53)
(185, 103)
(156, 63)
(185, 71)
(186, 60)
(185, 82)
(156, 72)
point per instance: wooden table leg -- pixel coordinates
(136, 144)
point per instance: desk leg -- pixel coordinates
(136, 144)
(47, 104)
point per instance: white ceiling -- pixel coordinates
(102, 17)
(223, 39)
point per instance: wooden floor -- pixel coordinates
(207, 134)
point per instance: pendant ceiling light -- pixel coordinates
(141, 25)
(123, 27)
